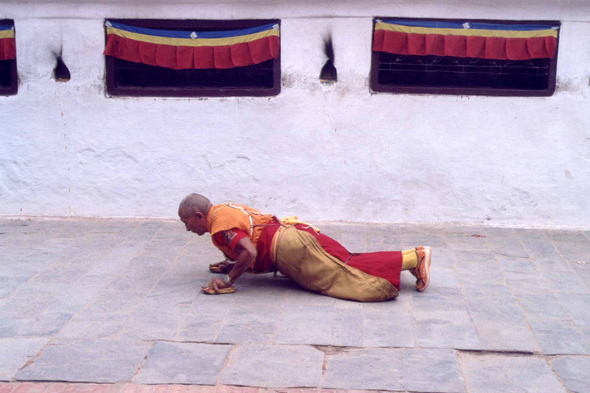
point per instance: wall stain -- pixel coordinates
(288, 80)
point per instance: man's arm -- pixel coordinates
(246, 255)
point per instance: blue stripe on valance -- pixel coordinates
(187, 34)
(472, 25)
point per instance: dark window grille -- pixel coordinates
(5, 74)
(8, 71)
(130, 74)
(466, 76)
(125, 78)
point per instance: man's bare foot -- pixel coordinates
(422, 271)
(423, 248)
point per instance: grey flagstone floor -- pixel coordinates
(118, 300)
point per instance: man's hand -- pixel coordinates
(217, 286)
(246, 255)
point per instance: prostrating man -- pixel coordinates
(261, 243)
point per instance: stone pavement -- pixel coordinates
(43, 387)
(117, 302)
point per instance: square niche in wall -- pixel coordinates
(192, 58)
(8, 71)
(464, 57)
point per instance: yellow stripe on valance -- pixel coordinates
(197, 42)
(466, 32)
(7, 33)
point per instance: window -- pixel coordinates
(8, 72)
(464, 57)
(192, 58)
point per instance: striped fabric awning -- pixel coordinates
(187, 50)
(477, 40)
(7, 43)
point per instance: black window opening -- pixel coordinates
(431, 74)
(8, 70)
(129, 78)
(129, 74)
(7, 77)
(457, 72)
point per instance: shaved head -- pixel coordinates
(192, 204)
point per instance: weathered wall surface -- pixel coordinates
(322, 152)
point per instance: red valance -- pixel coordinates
(477, 40)
(7, 49)
(182, 57)
(461, 46)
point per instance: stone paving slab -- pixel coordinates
(348, 328)
(378, 324)
(153, 323)
(86, 361)
(274, 366)
(15, 352)
(306, 325)
(502, 373)
(183, 363)
(202, 327)
(559, 337)
(416, 370)
(574, 372)
(93, 326)
(501, 325)
(247, 326)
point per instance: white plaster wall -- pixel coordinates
(323, 153)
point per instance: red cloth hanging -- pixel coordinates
(7, 48)
(184, 57)
(464, 46)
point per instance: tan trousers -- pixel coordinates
(300, 257)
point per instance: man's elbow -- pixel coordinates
(251, 253)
